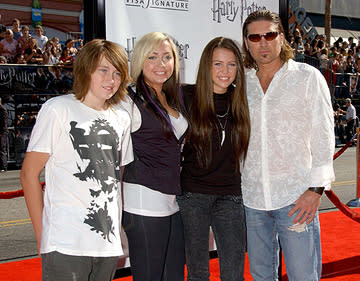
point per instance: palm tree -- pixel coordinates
(328, 20)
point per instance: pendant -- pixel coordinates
(222, 136)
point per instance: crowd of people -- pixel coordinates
(255, 190)
(340, 65)
(19, 46)
(339, 62)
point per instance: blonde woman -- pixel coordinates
(151, 215)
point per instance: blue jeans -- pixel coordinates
(301, 249)
(59, 267)
(156, 247)
(226, 216)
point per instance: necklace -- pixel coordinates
(218, 116)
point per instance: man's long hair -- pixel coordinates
(286, 50)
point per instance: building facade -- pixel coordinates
(60, 18)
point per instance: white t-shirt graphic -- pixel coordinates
(82, 199)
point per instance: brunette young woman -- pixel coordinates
(215, 146)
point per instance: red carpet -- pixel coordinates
(340, 242)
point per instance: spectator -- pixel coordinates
(323, 60)
(349, 70)
(333, 68)
(332, 50)
(80, 45)
(2, 29)
(343, 52)
(357, 51)
(3, 137)
(16, 28)
(297, 33)
(351, 43)
(19, 59)
(307, 49)
(33, 54)
(66, 58)
(292, 42)
(345, 45)
(8, 46)
(357, 65)
(322, 37)
(299, 49)
(321, 45)
(350, 119)
(50, 54)
(349, 65)
(40, 38)
(339, 126)
(24, 40)
(3, 60)
(69, 44)
(340, 89)
(337, 46)
(57, 45)
(19, 148)
(315, 48)
(350, 53)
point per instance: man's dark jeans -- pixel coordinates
(226, 216)
(350, 130)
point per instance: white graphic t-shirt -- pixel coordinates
(82, 198)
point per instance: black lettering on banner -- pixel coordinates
(177, 5)
(182, 48)
(229, 10)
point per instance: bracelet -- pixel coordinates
(318, 190)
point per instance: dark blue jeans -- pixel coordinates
(156, 247)
(226, 216)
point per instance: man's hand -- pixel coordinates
(307, 205)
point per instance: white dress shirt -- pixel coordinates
(292, 137)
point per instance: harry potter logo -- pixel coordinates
(9, 75)
(230, 9)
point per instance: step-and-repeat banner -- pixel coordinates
(192, 23)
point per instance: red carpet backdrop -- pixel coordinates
(341, 255)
